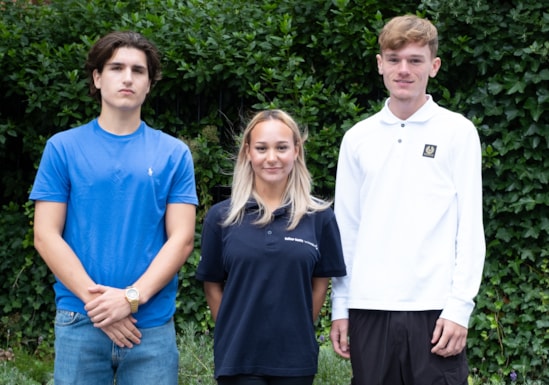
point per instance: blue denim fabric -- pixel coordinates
(84, 355)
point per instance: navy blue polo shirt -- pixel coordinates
(264, 325)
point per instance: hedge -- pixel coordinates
(224, 59)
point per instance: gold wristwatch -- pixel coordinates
(132, 296)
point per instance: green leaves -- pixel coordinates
(499, 62)
(224, 59)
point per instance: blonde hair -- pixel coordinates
(297, 194)
(402, 30)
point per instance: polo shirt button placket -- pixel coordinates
(270, 239)
(402, 125)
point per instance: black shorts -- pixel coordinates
(394, 348)
(264, 380)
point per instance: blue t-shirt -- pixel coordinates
(116, 189)
(264, 325)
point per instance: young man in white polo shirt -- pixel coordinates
(409, 206)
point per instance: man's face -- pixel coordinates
(124, 82)
(406, 72)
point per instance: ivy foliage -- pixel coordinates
(224, 59)
(498, 59)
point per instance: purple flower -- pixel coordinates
(513, 375)
(322, 338)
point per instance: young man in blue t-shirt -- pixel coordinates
(114, 221)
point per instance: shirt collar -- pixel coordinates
(425, 113)
(252, 205)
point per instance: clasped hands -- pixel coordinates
(110, 312)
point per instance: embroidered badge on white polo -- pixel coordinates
(429, 150)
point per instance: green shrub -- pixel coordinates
(27, 301)
(496, 53)
(224, 59)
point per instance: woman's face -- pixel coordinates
(272, 153)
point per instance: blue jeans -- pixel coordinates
(84, 355)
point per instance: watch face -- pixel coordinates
(132, 293)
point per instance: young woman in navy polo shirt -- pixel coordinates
(267, 256)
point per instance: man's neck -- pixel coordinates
(403, 109)
(119, 123)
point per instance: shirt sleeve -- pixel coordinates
(52, 182)
(184, 187)
(347, 212)
(470, 242)
(210, 268)
(331, 254)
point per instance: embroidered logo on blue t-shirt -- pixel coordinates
(429, 150)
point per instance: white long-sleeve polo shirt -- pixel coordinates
(409, 207)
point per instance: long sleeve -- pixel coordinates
(470, 243)
(347, 210)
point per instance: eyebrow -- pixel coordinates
(278, 142)
(135, 66)
(394, 54)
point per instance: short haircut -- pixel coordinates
(105, 47)
(402, 30)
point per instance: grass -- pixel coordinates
(10, 375)
(195, 365)
(196, 362)
(26, 368)
(195, 357)
(332, 370)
